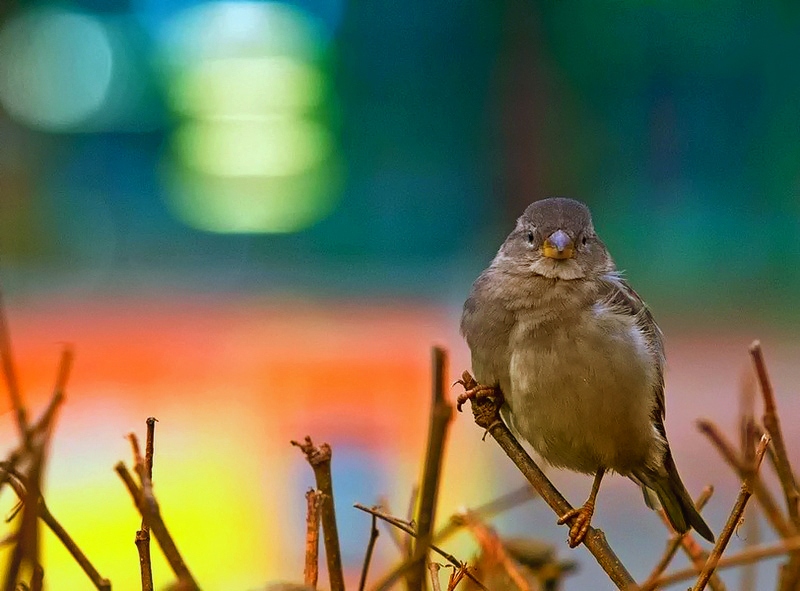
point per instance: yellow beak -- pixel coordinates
(558, 246)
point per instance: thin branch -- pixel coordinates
(320, 460)
(36, 441)
(457, 576)
(745, 557)
(311, 568)
(772, 424)
(17, 482)
(676, 541)
(433, 568)
(485, 412)
(373, 537)
(440, 417)
(148, 508)
(399, 541)
(144, 467)
(10, 375)
(745, 471)
(407, 547)
(400, 524)
(491, 546)
(733, 520)
(488, 510)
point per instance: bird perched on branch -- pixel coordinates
(555, 330)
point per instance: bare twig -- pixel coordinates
(10, 375)
(457, 576)
(373, 537)
(398, 540)
(17, 482)
(676, 541)
(144, 467)
(311, 569)
(733, 520)
(745, 557)
(408, 542)
(744, 470)
(36, 442)
(492, 548)
(433, 568)
(148, 508)
(440, 417)
(772, 424)
(400, 524)
(485, 412)
(488, 510)
(320, 460)
(790, 573)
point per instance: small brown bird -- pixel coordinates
(554, 328)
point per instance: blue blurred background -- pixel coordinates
(367, 159)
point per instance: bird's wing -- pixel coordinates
(486, 323)
(620, 296)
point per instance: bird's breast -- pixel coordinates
(582, 388)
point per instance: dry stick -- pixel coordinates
(149, 510)
(440, 417)
(745, 557)
(408, 542)
(485, 412)
(142, 539)
(790, 573)
(320, 460)
(676, 541)
(17, 482)
(733, 519)
(488, 510)
(491, 545)
(398, 540)
(772, 424)
(311, 568)
(400, 524)
(26, 548)
(747, 448)
(36, 442)
(772, 512)
(37, 578)
(10, 376)
(433, 568)
(456, 577)
(373, 537)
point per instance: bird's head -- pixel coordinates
(555, 238)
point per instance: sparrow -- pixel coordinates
(557, 333)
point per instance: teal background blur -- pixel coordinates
(433, 125)
(371, 156)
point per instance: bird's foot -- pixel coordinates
(581, 518)
(474, 391)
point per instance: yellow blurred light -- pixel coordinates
(247, 205)
(246, 87)
(55, 68)
(249, 156)
(271, 147)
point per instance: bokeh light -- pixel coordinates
(254, 151)
(55, 68)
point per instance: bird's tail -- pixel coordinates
(675, 500)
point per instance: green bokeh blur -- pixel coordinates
(431, 126)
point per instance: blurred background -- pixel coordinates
(253, 219)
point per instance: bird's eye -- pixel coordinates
(583, 240)
(530, 237)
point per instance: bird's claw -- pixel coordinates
(473, 391)
(581, 518)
